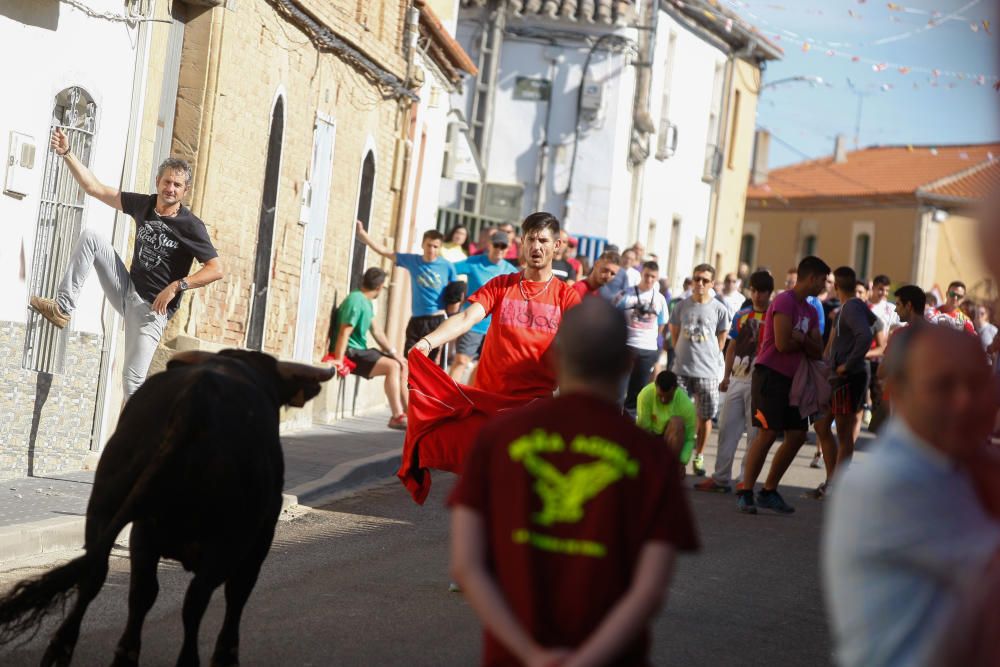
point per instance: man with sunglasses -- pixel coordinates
(950, 314)
(479, 270)
(698, 327)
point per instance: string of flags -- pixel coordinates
(837, 49)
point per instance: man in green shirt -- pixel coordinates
(354, 321)
(665, 409)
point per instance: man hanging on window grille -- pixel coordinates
(168, 236)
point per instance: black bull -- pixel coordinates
(196, 466)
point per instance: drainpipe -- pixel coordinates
(713, 200)
(545, 147)
(642, 124)
(404, 143)
(106, 416)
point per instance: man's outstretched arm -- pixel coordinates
(452, 328)
(93, 187)
(367, 240)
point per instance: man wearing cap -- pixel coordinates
(479, 270)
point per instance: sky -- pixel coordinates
(914, 65)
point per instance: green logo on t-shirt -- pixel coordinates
(565, 494)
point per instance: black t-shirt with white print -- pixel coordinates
(164, 246)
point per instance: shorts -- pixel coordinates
(769, 395)
(365, 360)
(470, 344)
(848, 393)
(704, 392)
(417, 328)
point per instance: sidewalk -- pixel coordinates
(43, 514)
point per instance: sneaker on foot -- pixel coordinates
(817, 461)
(49, 309)
(709, 484)
(866, 417)
(744, 502)
(698, 465)
(453, 587)
(772, 500)
(398, 423)
(819, 493)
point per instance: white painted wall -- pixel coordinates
(674, 187)
(46, 49)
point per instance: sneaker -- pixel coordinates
(772, 500)
(453, 587)
(817, 461)
(711, 485)
(819, 493)
(698, 465)
(866, 417)
(744, 502)
(49, 309)
(398, 423)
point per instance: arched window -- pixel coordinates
(364, 214)
(60, 220)
(809, 245)
(862, 255)
(265, 229)
(748, 250)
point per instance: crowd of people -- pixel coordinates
(624, 356)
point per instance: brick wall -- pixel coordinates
(261, 55)
(47, 421)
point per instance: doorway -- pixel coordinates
(364, 214)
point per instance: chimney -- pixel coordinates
(761, 156)
(840, 150)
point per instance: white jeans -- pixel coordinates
(143, 327)
(735, 419)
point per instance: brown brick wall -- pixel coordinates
(262, 54)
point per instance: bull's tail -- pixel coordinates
(25, 606)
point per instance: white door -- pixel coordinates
(317, 198)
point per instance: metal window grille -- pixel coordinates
(60, 220)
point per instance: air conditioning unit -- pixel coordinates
(20, 164)
(503, 201)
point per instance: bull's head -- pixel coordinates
(295, 384)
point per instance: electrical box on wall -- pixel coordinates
(20, 165)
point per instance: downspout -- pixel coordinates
(496, 42)
(104, 416)
(404, 143)
(641, 118)
(208, 113)
(713, 200)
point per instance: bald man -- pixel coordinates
(908, 530)
(567, 517)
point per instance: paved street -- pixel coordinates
(363, 581)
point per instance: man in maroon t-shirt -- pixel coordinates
(604, 270)
(567, 518)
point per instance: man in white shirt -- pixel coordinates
(731, 296)
(646, 314)
(908, 533)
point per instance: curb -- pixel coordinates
(346, 478)
(37, 538)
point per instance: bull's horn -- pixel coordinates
(291, 370)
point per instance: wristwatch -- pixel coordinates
(183, 285)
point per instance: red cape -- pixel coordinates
(443, 421)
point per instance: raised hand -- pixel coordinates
(59, 142)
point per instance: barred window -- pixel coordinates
(60, 220)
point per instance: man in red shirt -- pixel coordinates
(605, 269)
(527, 308)
(567, 518)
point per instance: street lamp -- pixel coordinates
(809, 78)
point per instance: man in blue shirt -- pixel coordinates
(479, 269)
(431, 274)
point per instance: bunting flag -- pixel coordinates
(836, 49)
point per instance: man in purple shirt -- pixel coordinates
(790, 335)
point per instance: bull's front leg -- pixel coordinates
(238, 588)
(143, 589)
(199, 593)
